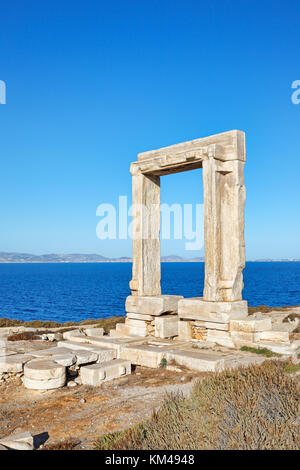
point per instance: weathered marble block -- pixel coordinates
(131, 330)
(14, 363)
(197, 360)
(184, 330)
(166, 326)
(196, 308)
(152, 305)
(44, 374)
(95, 374)
(139, 316)
(212, 325)
(275, 335)
(251, 324)
(94, 331)
(223, 338)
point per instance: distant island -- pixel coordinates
(80, 258)
(95, 258)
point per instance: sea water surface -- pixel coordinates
(73, 292)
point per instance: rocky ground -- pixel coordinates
(75, 417)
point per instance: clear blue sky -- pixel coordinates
(91, 84)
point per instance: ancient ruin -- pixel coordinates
(222, 158)
(221, 315)
(201, 333)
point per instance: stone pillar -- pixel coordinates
(224, 199)
(146, 271)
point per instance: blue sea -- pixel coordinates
(73, 292)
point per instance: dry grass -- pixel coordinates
(248, 408)
(106, 323)
(25, 335)
(266, 309)
(68, 444)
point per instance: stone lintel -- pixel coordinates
(226, 146)
(196, 308)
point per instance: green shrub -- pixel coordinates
(163, 363)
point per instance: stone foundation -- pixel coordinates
(197, 308)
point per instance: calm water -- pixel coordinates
(63, 292)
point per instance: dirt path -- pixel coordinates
(84, 413)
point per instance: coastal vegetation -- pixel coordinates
(248, 408)
(263, 351)
(106, 323)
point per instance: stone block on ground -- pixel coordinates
(244, 338)
(152, 305)
(49, 352)
(72, 333)
(94, 331)
(84, 356)
(44, 369)
(80, 338)
(137, 323)
(87, 353)
(197, 360)
(96, 374)
(7, 352)
(75, 345)
(50, 384)
(281, 348)
(144, 355)
(223, 338)
(184, 330)
(212, 325)
(20, 441)
(166, 326)
(14, 363)
(149, 354)
(54, 336)
(104, 354)
(196, 308)
(3, 343)
(139, 316)
(251, 324)
(274, 335)
(104, 342)
(114, 334)
(67, 359)
(130, 330)
(44, 374)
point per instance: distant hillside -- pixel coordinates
(179, 259)
(54, 258)
(94, 258)
(78, 258)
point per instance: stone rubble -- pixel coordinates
(200, 345)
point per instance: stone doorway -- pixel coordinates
(222, 158)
